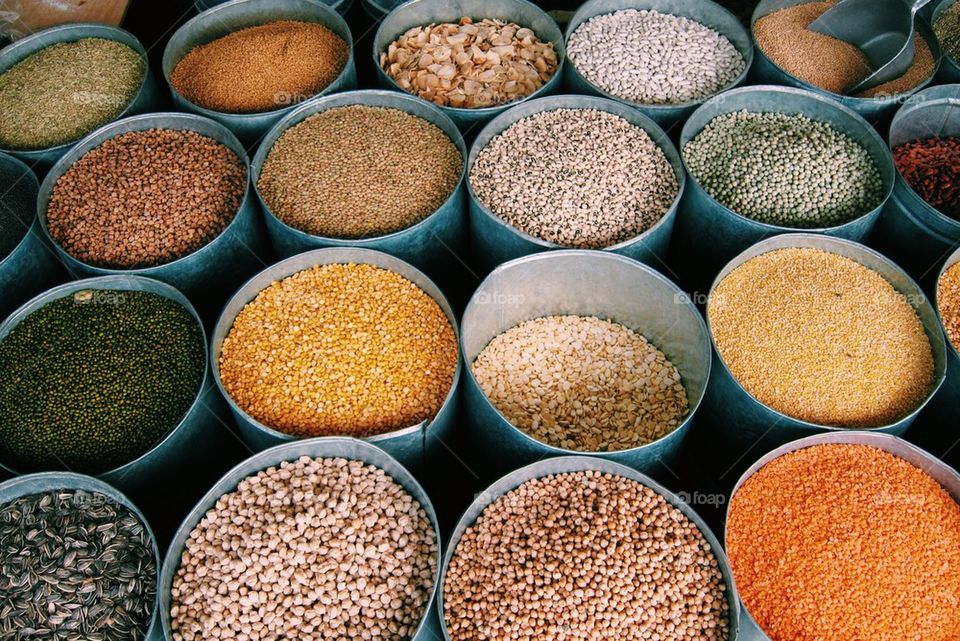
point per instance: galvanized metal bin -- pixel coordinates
(495, 241)
(911, 232)
(743, 427)
(428, 244)
(147, 98)
(709, 234)
(766, 71)
(234, 15)
(31, 266)
(949, 68)
(567, 464)
(414, 446)
(585, 283)
(197, 429)
(46, 481)
(209, 274)
(348, 448)
(416, 13)
(940, 471)
(706, 12)
(340, 6)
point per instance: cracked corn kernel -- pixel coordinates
(847, 543)
(359, 171)
(948, 300)
(821, 338)
(340, 349)
(582, 383)
(584, 556)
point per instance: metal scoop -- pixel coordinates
(881, 29)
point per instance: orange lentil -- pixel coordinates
(261, 68)
(845, 542)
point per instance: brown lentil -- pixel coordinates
(824, 61)
(261, 68)
(582, 383)
(311, 549)
(821, 338)
(575, 177)
(146, 198)
(948, 300)
(340, 349)
(65, 91)
(584, 556)
(470, 65)
(847, 543)
(358, 171)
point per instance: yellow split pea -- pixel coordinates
(340, 349)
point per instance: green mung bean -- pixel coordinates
(94, 379)
(65, 91)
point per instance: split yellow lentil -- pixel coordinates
(846, 542)
(346, 349)
(821, 338)
(948, 300)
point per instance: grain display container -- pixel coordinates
(584, 283)
(234, 15)
(705, 12)
(766, 71)
(147, 98)
(742, 426)
(708, 234)
(426, 244)
(207, 275)
(416, 13)
(328, 447)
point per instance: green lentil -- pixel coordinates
(784, 170)
(94, 379)
(65, 91)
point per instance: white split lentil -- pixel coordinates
(582, 383)
(653, 58)
(575, 177)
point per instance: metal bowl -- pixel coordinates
(146, 99)
(348, 448)
(585, 283)
(228, 17)
(937, 469)
(705, 12)
(416, 13)
(496, 241)
(424, 244)
(414, 446)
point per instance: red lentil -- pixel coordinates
(845, 542)
(932, 169)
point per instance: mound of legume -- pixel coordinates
(74, 564)
(846, 542)
(784, 170)
(932, 169)
(948, 301)
(146, 198)
(821, 338)
(311, 549)
(575, 177)
(653, 58)
(826, 62)
(340, 349)
(582, 383)
(65, 91)
(18, 207)
(470, 65)
(947, 30)
(584, 555)
(357, 171)
(94, 379)
(261, 68)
